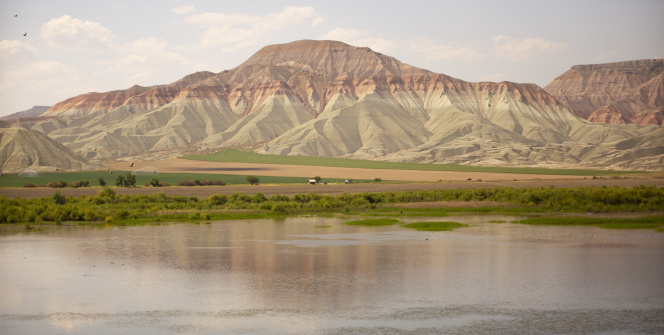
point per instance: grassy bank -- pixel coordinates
(435, 225)
(107, 207)
(239, 156)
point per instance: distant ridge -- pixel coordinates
(32, 112)
(616, 93)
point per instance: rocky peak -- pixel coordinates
(331, 59)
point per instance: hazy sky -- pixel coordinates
(75, 47)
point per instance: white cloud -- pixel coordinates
(317, 21)
(183, 10)
(66, 32)
(360, 38)
(436, 52)
(234, 31)
(15, 48)
(344, 35)
(144, 61)
(524, 48)
(57, 80)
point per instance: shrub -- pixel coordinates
(218, 199)
(29, 185)
(59, 198)
(75, 184)
(101, 181)
(219, 182)
(377, 180)
(154, 182)
(253, 180)
(318, 179)
(53, 184)
(186, 183)
(106, 192)
(258, 198)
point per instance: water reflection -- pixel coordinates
(293, 276)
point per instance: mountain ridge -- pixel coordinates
(327, 98)
(617, 93)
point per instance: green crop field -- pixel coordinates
(239, 156)
(13, 180)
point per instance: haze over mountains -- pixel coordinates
(326, 98)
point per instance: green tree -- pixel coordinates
(154, 182)
(120, 181)
(318, 179)
(130, 180)
(253, 180)
(126, 180)
(101, 181)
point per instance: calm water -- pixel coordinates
(295, 277)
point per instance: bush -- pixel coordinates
(53, 184)
(377, 180)
(218, 199)
(101, 181)
(59, 198)
(186, 183)
(253, 180)
(317, 179)
(154, 182)
(75, 184)
(29, 185)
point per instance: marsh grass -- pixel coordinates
(373, 222)
(646, 222)
(107, 207)
(434, 226)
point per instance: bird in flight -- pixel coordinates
(26, 34)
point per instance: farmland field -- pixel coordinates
(13, 180)
(239, 156)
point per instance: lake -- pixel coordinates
(315, 275)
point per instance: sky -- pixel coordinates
(76, 47)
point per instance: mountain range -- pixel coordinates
(327, 98)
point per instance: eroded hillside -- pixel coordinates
(326, 98)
